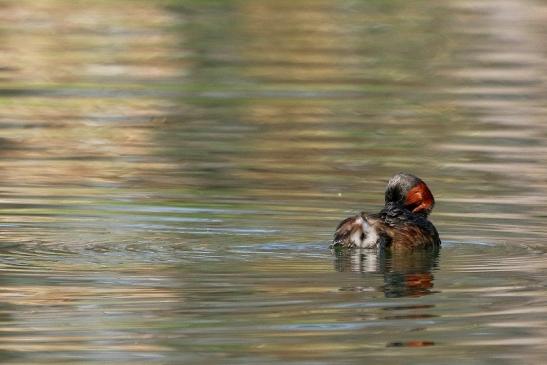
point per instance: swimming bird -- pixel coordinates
(402, 223)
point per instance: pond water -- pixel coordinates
(172, 173)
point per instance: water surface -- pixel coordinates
(172, 173)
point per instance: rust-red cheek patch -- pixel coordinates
(419, 198)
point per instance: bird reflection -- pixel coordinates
(406, 272)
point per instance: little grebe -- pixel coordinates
(401, 223)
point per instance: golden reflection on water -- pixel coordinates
(69, 44)
(91, 140)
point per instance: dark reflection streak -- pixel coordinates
(406, 273)
(411, 344)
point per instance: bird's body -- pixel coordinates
(402, 223)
